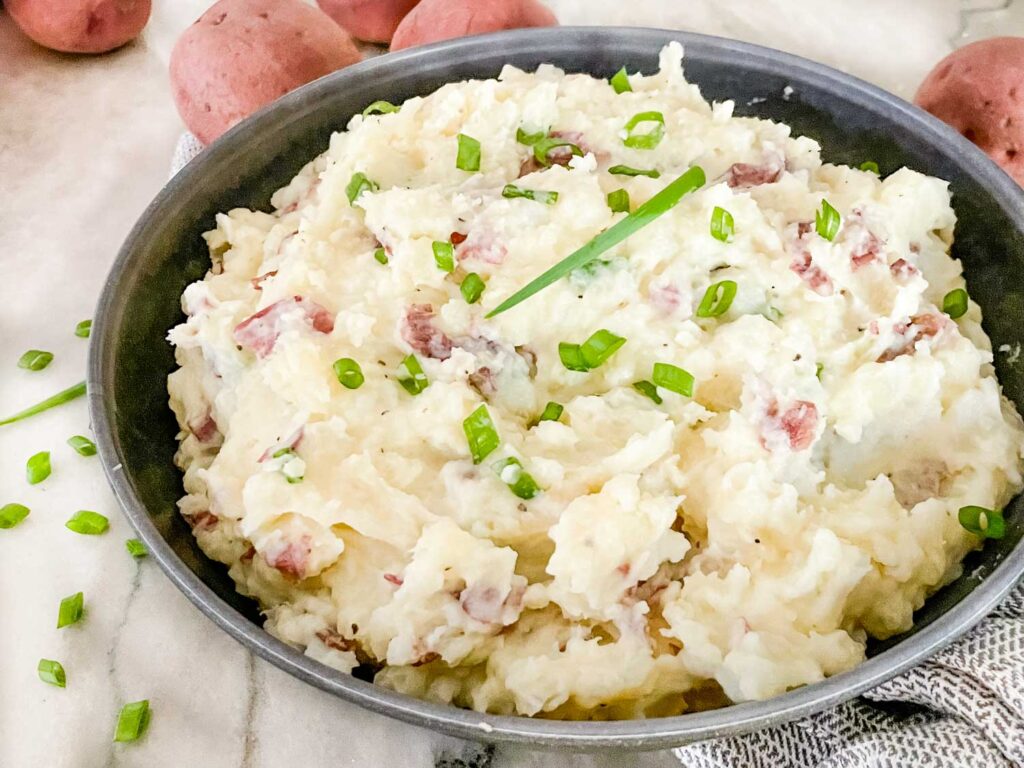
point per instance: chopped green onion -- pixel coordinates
(722, 225)
(615, 234)
(358, 184)
(468, 157)
(986, 523)
(444, 255)
(349, 373)
(132, 721)
(53, 401)
(293, 467)
(673, 378)
(380, 108)
(538, 195)
(601, 345)
(480, 434)
(826, 221)
(519, 481)
(71, 610)
(552, 412)
(647, 389)
(416, 381)
(83, 445)
(620, 81)
(871, 167)
(542, 147)
(52, 672)
(571, 356)
(954, 303)
(618, 201)
(37, 468)
(818, 370)
(35, 360)
(136, 548)
(625, 170)
(648, 140)
(472, 288)
(83, 329)
(87, 523)
(717, 299)
(381, 255)
(529, 139)
(12, 514)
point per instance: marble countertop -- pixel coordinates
(84, 144)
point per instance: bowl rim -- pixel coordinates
(580, 735)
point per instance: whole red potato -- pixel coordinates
(372, 20)
(242, 54)
(979, 90)
(433, 20)
(80, 26)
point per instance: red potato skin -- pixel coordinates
(242, 54)
(374, 21)
(979, 90)
(80, 26)
(433, 20)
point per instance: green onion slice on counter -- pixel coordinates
(136, 548)
(12, 514)
(71, 610)
(349, 373)
(673, 378)
(625, 170)
(358, 184)
(444, 255)
(651, 138)
(618, 201)
(37, 468)
(954, 303)
(519, 481)
(538, 195)
(717, 299)
(620, 81)
(722, 225)
(543, 146)
(132, 721)
(83, 445)
(481, 434)
(983, 522)
(647, 389)
(661, 203)
(381, 256)
(472, 288)
(35, 360)
(83, 329)
(87, 523)
(380, 108)
(468, 157)
(416, 380)
(552, 412)
(826, 221)
(53, 401)
(52, 672)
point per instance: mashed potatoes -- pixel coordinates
(639, 551)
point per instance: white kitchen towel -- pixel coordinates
(963, 708)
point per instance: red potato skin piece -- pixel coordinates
(374, 21)
(80, 26)
(979, 90)
(243, 54)
(434, 20)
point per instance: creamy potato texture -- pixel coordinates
(677, 552)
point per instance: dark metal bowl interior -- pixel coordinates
(130, 358)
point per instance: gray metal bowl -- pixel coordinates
(854, 121)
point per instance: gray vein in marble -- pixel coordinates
(470, 756)
(115, 642)
(969, 13)
(252, 704)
